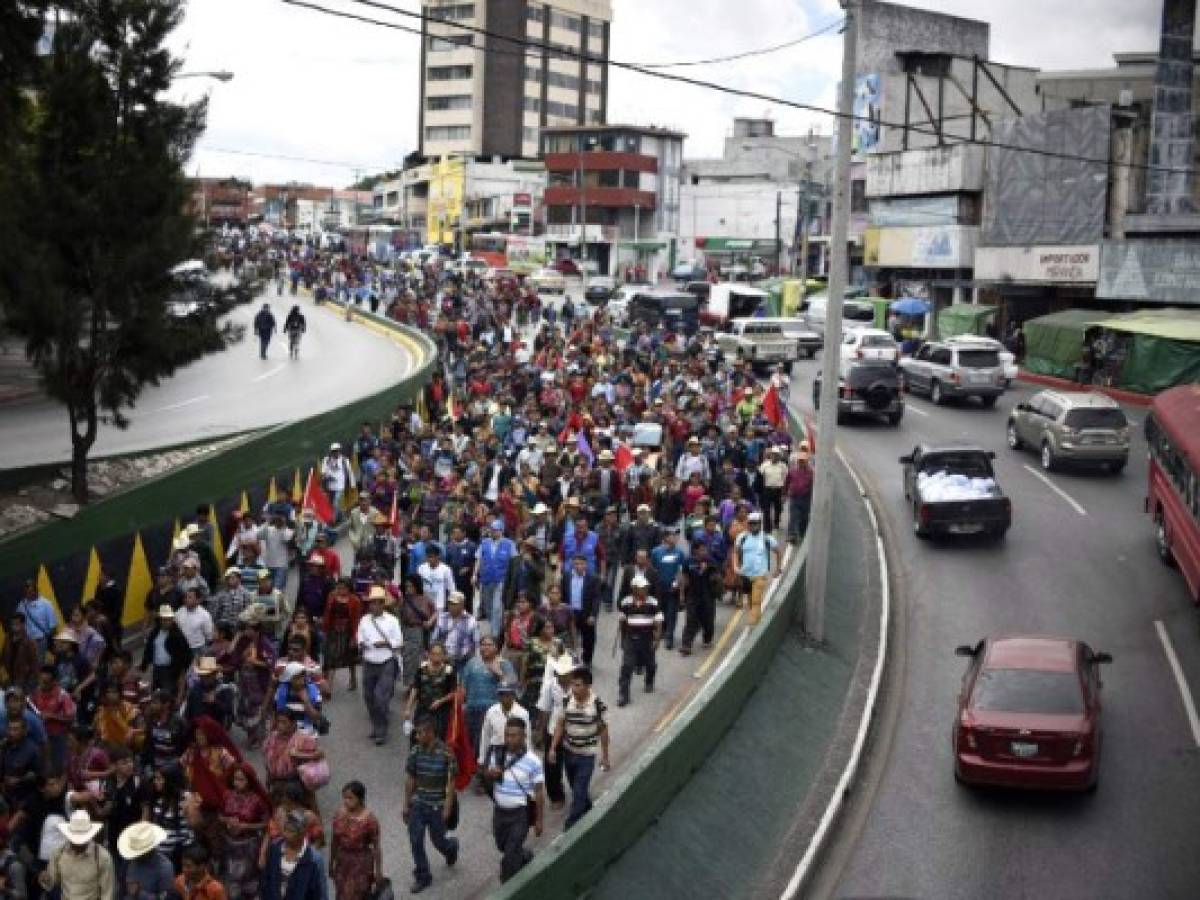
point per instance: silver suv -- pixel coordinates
(1071, 426)
(948, 369)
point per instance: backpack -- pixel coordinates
(741, 545)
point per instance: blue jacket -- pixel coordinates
(308, 881)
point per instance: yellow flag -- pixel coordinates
(244, 506)
(218, 541)
(92, 580)
(138, 584)
(175, 533)
(46, 589)
(298, 485)
(272, 491)
(422, 409)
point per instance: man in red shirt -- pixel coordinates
(57, 710)
(798, 488)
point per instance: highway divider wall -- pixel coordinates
(574, 862)
(133, 530)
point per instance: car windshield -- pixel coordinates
(978, 359)
(878, 340)
(1028, 691)
(858, 312)
(1095, 418)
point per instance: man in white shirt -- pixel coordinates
(273, 538)
(531, 456)
(195, 622)
(379, 640)
(336, 477)
(436, 577)
(517, 779)
(555, 689)
(691, 461)
(491, 738)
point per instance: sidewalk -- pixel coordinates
(18, 378)
(1128, 398)
(744, 818)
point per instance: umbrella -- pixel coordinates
(910, 306)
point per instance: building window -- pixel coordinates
(456, 12)
(536, 13)
(562, 20)
(560, 143)
(449, 42)
(448, 132)
(595, 29)
(594, 117)
(529, 135)
(393, 198)
(448, 73)
(455, 101)
(629, 179)
(858, 195)
(551, 107)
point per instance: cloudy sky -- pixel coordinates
(316, 98)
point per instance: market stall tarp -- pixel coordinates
(791, 296)
(963, 318)
(1054, 343)
(1164, 351)
(882, 306)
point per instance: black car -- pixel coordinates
(599, 290)
(867, 387)
(952, 490)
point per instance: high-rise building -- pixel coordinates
(488, 94)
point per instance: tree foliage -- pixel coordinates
(93, 193)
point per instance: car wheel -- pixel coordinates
(918, 529)
(895, 417)
(988, 402)
(1162, 541)
(1048, 460)
(935, 394)
(1116, 466)
(1014, 439)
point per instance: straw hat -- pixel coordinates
(377, 593)
(207, 665)
(80, 829)
(165, 611)
(249, 615)
(563, 664)
(66, 634)
(138, 839)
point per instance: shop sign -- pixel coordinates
(1165, 270)
(1051, 264)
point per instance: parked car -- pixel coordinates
(953, 490)
(1029, 714)
(954, 370)
(567, 266)
(1008, 361)
(699, 289)
(599, 289)
(869, 343)
(547, 281)
(687, 270)
(853, 310)
(618, 304)
(869, 387)
(759, 341)
(675, 310)
(1071, 427)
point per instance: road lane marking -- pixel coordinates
(1189, 705)
(1054, 487)
(726, 635)
(265, 375)
(182, 404)
(908, 407)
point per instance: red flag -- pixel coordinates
(622, 459)
(772, 408)
(459, 743)
(315, 499)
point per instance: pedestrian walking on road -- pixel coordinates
(355, 851)
(702, 586)
(581, 735)
(264, 327)
(517, 780)
(379, 640)
(752, 553)
(641, 623)
(799, 490)
(429, 800)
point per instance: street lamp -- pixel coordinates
(220, 75)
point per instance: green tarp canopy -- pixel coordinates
(1163, 350)
(1054, 343)
(881, 304)
(963, 318)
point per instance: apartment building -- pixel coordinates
(488, 94)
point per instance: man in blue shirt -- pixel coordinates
(460, 557)
(41, 621)
(491, 568)
(752, 561)
(581, 591)
(16, 705)
(667, 559)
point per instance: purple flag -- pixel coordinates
(585, 449)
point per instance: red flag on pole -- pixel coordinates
(315, 499)
(394, 516)
(772, 408)
(459, 743)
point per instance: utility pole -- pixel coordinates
(779, 232)
(822, 503)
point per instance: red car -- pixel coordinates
(566, 266)
(1029, 714)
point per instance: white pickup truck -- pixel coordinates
(761, 343)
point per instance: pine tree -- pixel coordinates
(93, 192)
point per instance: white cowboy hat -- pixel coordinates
(80, 829)
(139, 839)
(563, 664)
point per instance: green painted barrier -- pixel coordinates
(574, 862)
(223, 476)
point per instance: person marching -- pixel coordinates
(294, 326)
(641, 623)
(264, 327)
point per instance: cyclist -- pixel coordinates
(294, 325)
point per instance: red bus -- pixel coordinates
(1173, 498)
(491, 248)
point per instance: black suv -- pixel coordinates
(867, 387)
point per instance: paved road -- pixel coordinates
(1089, 572)
(227, 392)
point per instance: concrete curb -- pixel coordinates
(804, 868)
(1051, 381)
